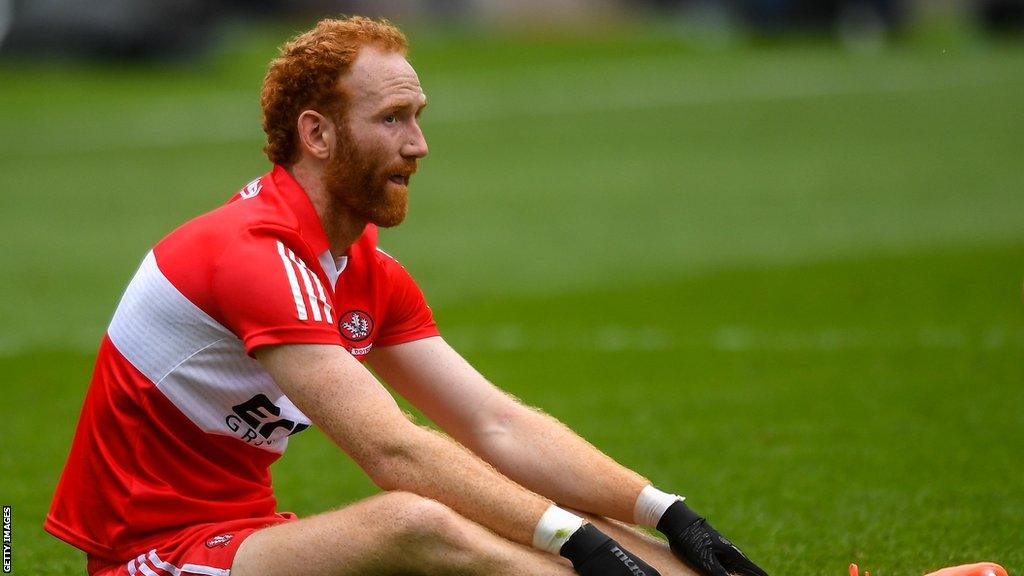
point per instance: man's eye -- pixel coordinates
(390, 119)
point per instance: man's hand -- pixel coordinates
(594, 553)
(700, 546)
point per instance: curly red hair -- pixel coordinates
(305, 76)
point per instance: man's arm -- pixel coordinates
(355, 411)
(544, 455)
(359, 415)
(527, 445)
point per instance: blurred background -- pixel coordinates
(179, 29)
(766, 252)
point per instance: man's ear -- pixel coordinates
(316, 134)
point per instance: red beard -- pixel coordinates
(358, 180)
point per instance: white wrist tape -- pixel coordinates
(651, 505)
(554, 529)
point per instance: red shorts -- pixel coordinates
(206, 550)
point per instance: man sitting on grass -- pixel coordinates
(250, 323)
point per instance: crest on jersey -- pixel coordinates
(251, 189)
(221, 541)
(356, 325)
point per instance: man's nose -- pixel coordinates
(416, 146)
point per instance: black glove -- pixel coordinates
(594, 553)
(700, 546)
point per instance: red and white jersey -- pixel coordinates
(181, 423)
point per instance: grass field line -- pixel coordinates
(224, 118)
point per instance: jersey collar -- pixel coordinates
(310, 227)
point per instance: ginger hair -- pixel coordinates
(305, 76)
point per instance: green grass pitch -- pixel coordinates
(785, 282)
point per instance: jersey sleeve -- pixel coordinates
(408, 317)
(269, 289)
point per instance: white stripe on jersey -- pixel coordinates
(306, 273)
(314, 302)
(300, 306)
(198, 364)
(323, 298)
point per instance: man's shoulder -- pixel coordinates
(243, 238)
(254, 208)
(256, 204)
(388, 262)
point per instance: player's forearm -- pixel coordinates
(542, 454)
(352, 408)
(432, 465)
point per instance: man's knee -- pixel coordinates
(419, 518)
(432, 532)
(399, 531)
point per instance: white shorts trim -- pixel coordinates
(141, 565)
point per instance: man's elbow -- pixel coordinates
(390, 460)
(496, 429)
